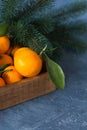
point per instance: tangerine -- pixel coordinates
(11, 75)
(5, 59)
(14, 50)
(2, 82)
(8, 52)
(27, 62)
(4, 44)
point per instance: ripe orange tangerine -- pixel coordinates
(4, 44)
(11, 75)
(8, 52)
(27, 62)
(14, 49)
(2, 82)
(5, 59)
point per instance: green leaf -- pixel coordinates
(2, 71)
(2, 67)
(3, 29)
(55, 72)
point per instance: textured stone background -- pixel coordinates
(60, 110)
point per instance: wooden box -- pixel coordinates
(24, 90)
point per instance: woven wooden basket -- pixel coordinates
(24, 90)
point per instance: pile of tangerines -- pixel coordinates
(22, 62)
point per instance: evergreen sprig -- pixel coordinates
(30, 25)
(74, 9)
(36, 39)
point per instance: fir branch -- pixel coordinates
(45, 26)
(79, 26)
(40, 3)
(71, 10)
(43, 12)
(38, 41)
(58, 49)
(33, 33)
(67, 40)
(74, 45)
(27, 35)
(8, 9)
(28, 10)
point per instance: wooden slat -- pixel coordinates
(27, 89)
